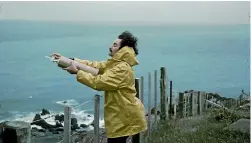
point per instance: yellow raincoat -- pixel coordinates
(124, 114)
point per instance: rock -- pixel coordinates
(55, 132)
(61, 129)
(37, 117)
(242, 125)
(75, 127)
(74, 121)
(88, 115)
(45, 112)
(191, 91)
(58, 125)
(74, 124)
(37, 134)
(41, 122)
(51, 129)
(59, 118)
(92, 123)
(83, 125)
(34, 129)
(42, 130)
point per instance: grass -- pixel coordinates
(201, 129)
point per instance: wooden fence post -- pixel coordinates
(67, 124)
(185, 104)
(136, 138)
(181, 105)
(96, 118)
(175, 109)
(142, 89)
(155, 97)
(142, 100)
(203, 101)
(15, 132)
(162, 93)
(236, 103)
(171, 98)
(191, 104)
(188, 105)
(206, 105)
(199, 103)
(196, 105)
(149, 105)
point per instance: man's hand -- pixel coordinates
(72, 69)
(56, 55)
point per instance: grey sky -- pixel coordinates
(168, 12)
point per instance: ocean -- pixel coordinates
(211, 58)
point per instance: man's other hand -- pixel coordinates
(56, 55)
(72, 69)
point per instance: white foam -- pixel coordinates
(85, 118)
(70, 102)
(35, 126)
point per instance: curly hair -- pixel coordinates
(127, 39)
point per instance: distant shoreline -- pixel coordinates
(119, 23)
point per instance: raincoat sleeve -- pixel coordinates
(110, 80)
(98, 65)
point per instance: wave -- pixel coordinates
(70, 102)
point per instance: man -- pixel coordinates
(124, 114)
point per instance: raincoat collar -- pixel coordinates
(127, 55)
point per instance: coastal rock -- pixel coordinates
(74, 121)
(60, 129)
(74, 124)
(59, 118)
(83, 125)
(55, 132)
(58, 124)
(34, 129)
(92, 123)
(75, 127)
(38, 134)
(41, 122)
(42, 130)
(45, 112)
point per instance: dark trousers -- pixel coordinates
(117, 140)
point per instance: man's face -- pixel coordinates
(114, 47)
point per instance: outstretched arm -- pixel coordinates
(95, 64)
(110, 80)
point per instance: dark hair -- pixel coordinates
(128, 40)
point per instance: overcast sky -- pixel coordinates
(168, 12)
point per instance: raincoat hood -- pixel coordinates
(127, 55)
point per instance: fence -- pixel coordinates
(190, 103)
